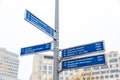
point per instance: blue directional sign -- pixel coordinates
(83, 62)
(79, 50)
(36, 48)
(38, 23)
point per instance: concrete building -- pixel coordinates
(43, 69)
(9, 63)
(109, 71)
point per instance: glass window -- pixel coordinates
(113, 65)
(111, 76)
(104, 66)
(106, 76)
(101, 77)
(115, 55)
(96, 67)
(50, 67)
(44, 72)
(96, 73)
(110, 55)
(88, 78)
(50, 72)
(117, 75)
(86, 69)
(66, 73)
(113, 60)
(103, 72)
(115, 70)
(44, 67)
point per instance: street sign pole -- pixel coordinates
(56, 42)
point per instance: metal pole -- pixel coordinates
(56, 42)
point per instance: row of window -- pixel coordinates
(103, 77)
(47, 67)
(64, 78)
(10, 62)
(8, 75)
(102, 72)
(11, 59)
(102, 67)
(112, 55)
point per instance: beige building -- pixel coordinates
(43, 69)
(109, 71)
(9, 63)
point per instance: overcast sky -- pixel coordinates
(81, 22)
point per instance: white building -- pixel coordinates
(8, 65)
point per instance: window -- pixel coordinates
(97, 77)
(115, 70)
(117, 75)
(101, 77)
(106, 76)
(50, 67)
(113, 65)
(50, 72)
(111, 76)
(44, 67)
(110, 55)
(114, 55)
(96, 67)
(96, 73)
(88, 78)
(113, 60)
(103, 72)
(104, 66)
(86, 69)
(44, 72)
(65, 73)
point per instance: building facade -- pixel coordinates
(43, 69)
(9, 63)
(109, 71)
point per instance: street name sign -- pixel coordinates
(38, 23)
(83, 62)
(79, 50)
(36, 48)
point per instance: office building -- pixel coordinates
(9, 63)
(108, 71)
(43, 69)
